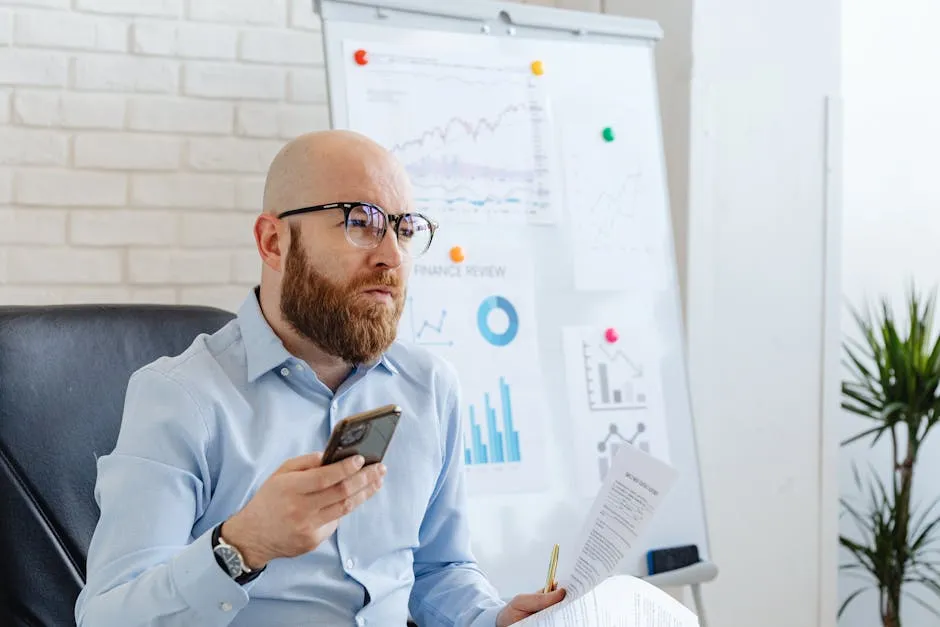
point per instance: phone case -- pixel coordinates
(367, 434)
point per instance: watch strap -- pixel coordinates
(242, 578)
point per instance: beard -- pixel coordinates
(337, 318)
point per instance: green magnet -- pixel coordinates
(608, 134)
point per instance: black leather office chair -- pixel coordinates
(63, 374)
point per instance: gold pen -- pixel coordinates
(552, 565)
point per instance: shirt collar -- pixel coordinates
(264, 349)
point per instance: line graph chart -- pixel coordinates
(426, 327)
(454, 127)
(608, 223)
(615, 201)
(474, 135)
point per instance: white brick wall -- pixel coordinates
(46, 29)
(66, 110)
(134, 138)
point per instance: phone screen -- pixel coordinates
(368, 437)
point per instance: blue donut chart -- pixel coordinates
(488, 305)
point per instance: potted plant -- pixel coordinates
(894, 385)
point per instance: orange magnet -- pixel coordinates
(611, 335)
(537, 68)
(361, 57)
(456, 254)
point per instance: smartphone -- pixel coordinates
(367, 434)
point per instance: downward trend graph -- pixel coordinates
(474, 137)
(614, 380)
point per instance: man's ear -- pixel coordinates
(271, 238)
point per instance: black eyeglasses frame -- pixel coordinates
(347, 207)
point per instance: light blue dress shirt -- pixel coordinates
(203, 430)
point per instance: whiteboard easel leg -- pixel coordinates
(699, 606)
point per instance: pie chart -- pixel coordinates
(483, 320)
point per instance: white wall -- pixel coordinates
(892, 205)
(758, 252)
(134, 136)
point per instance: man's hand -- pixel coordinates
(524, 605)
(299, 506)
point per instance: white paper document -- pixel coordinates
(632, 491)
(481, 316)
(615, 178)
(616, 397)
(473, 129)
(620, 601)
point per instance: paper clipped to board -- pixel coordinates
(626, 503)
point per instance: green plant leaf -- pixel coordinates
(879, 430)
(848, 600)
(922, 603)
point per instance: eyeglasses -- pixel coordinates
(366, 225)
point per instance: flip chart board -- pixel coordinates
(533, 137)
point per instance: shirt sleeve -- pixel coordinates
(450, 590)
(144, 566)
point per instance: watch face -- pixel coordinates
(231, 559)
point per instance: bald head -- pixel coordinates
(335, 166)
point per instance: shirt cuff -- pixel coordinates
(205, 587)
(487, 618)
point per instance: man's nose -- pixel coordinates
(388, 253)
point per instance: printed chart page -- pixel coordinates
(614, 396)
(473, 131)
(615, 186)
(620, 601)
(628, 500)
(480, 316)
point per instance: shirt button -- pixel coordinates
(284, 372)
(225, 606)
(299, 367)
(350, 563)
(334, 406)
(360, 621)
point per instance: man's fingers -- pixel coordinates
(537, 602)
(302, 462)
(348, 504)
(350, 485)
(322, 477)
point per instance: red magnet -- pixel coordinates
(611, 335)
(361, 57)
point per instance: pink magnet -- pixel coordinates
(611, 335)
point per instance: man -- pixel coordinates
(215, 507)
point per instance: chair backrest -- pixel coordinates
(63, 374)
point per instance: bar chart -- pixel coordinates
(493, 436)
(614, 379)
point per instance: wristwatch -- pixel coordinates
(230, 559)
